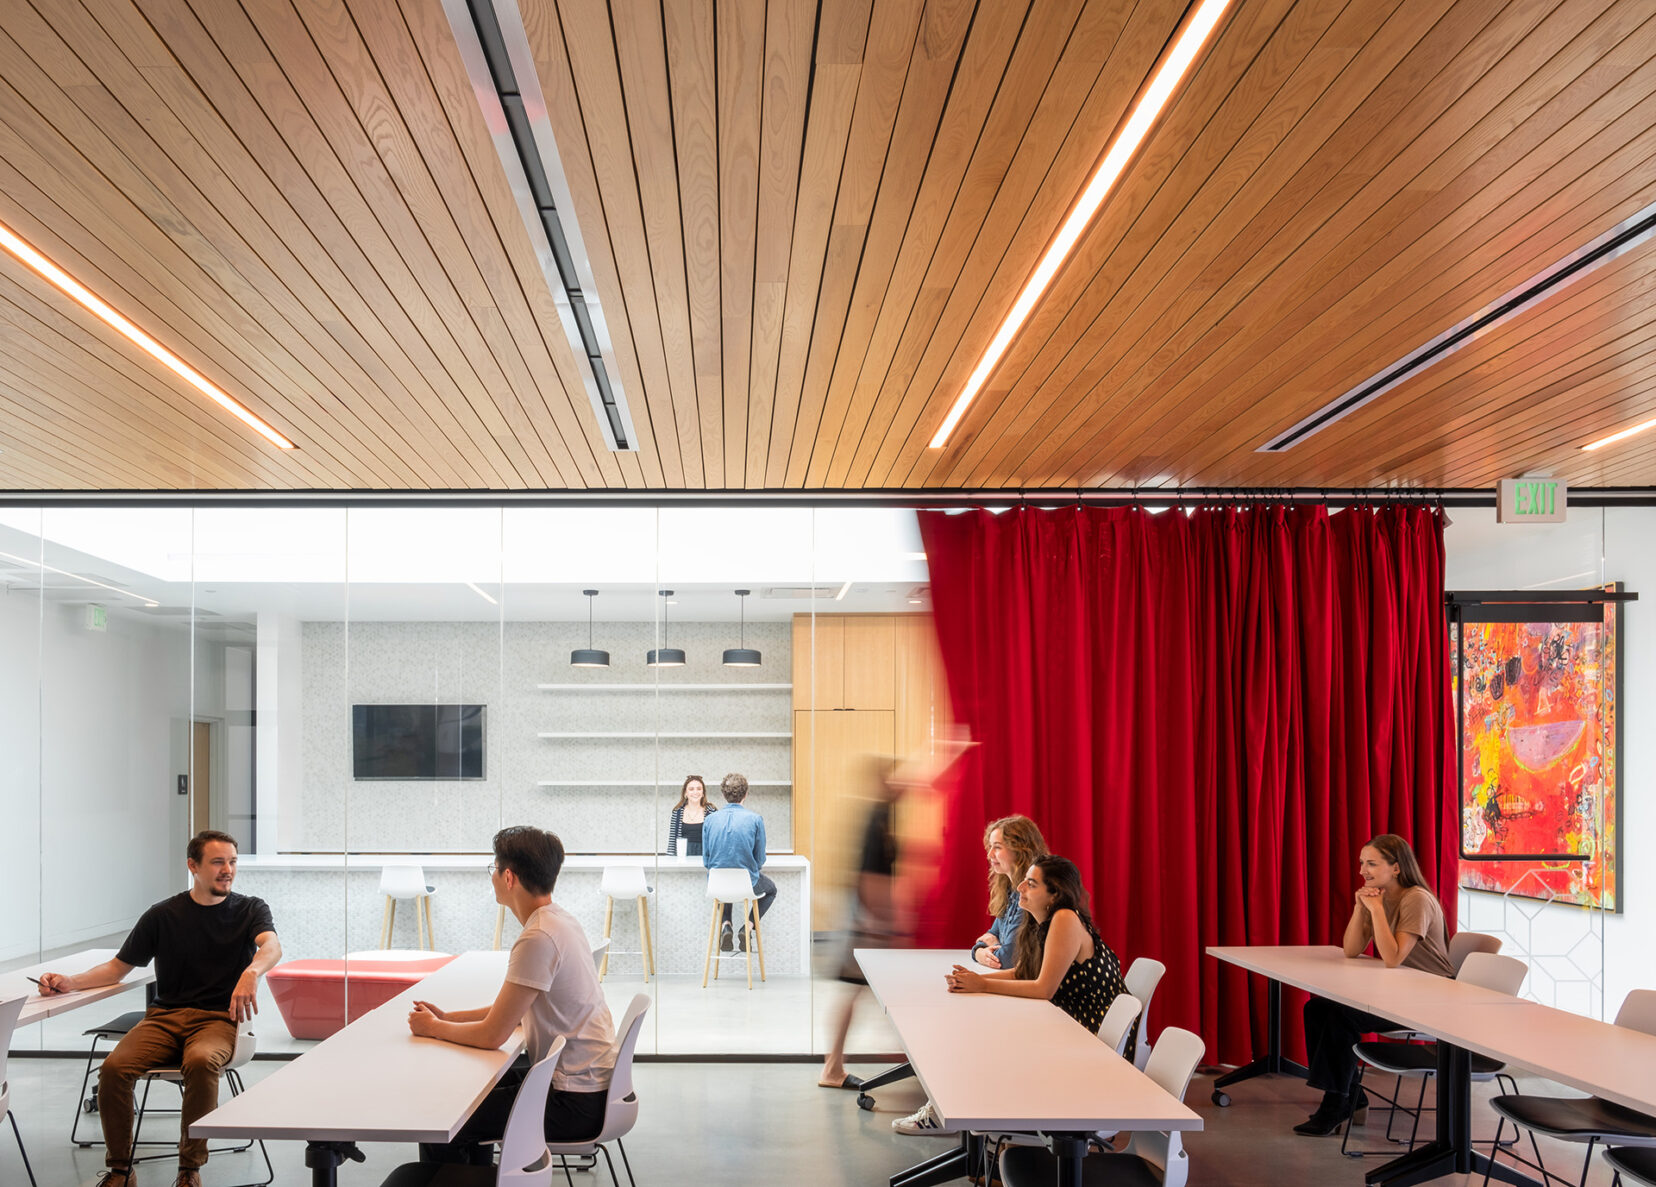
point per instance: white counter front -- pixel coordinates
(326, 905)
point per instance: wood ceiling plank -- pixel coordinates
(1051, 165)
(828, 128)
(688, 32)
(740, 54)
(841, 38)
(53, 453)
(652, 411)
(275, 148)
(413, 144)
(1542, 225)
(1353, 229)
(421, 46)
(193, 191)
(361, 180)
(892, 31)
(116, 395)
(943, 57)
(790, 30)
(1283, 60)
(1315, 102)
(1495, 371)
(641, 52)
(975, 147)
(80, 345)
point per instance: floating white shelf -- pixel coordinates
(645, 783)
(780, 734)
(664, 687)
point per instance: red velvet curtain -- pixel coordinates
(1209, 713)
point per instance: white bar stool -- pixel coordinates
(626, 882)
(403, 883)
(733, 885)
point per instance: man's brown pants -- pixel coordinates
(200, 1042)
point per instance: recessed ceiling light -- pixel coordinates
(150, 346)
(1621, 436)
(149, 603)
(1103, 180)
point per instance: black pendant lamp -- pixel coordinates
(664, 657)
(589, 656)
(742, 656)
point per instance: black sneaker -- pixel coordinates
(725, 938)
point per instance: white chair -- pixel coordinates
(1141, 980)
(1584, 1118)
(627, 882)
(1504, 974)
(1463, 943)
(620, 1106)
(399, 884)
(1117, 1026)
(1153, 1156)
(599, 951)
(733, 885)
(525, 1158)
(9, 1012)
(1633, 1164)
(246, 1046)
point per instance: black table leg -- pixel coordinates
(944, 1168)
(1069, 1149)
(1450, 1151)
(1272, 1062)
(324, 1158)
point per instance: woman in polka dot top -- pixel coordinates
(1061, 958)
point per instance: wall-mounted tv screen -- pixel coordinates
(417, 741)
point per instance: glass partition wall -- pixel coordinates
(362, 695)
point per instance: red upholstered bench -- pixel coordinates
(317, 998)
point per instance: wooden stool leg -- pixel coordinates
(609, 919)
(643, 940)
(431, 932)
(500, 925)
(649, 942)
(747, 947)
(389, 918)
(759, 941)
(712, 938)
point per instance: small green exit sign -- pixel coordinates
(1531, 500)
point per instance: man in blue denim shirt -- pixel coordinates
(734, 838)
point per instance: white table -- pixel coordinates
(17, 984)
(1596, 1057)
(1070, 1085)
(373, 1081)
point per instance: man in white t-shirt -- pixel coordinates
(551, 988)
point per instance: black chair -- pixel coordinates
(113, 1032)
(1637, 1164)
(1583, 1119)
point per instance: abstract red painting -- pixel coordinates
(1538, 760)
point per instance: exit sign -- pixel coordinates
(1531, 500)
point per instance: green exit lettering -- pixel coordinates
(1532, 499)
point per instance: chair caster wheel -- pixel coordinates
(865, 1102)
(89, 1105)
(84, 1145)
(1221, 1099)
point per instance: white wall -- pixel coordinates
(1568, 946)
(95, 736)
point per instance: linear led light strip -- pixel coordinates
(150, 346)
(38, 564)
(1161, 89)
(494, 45)
(1621, 436)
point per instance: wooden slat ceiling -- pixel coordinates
(805, 221)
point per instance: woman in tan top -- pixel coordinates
(1403, 920)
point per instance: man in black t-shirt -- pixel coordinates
(210, 948)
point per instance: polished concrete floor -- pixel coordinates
(753, 1123)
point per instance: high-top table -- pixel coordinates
(1608, 1061)
(374, 1081)
(1070, 1085)
(17, 984)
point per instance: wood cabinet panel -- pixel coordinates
(869, 659)
(819, 661)
(831, 790)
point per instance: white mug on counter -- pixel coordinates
(684, 846)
